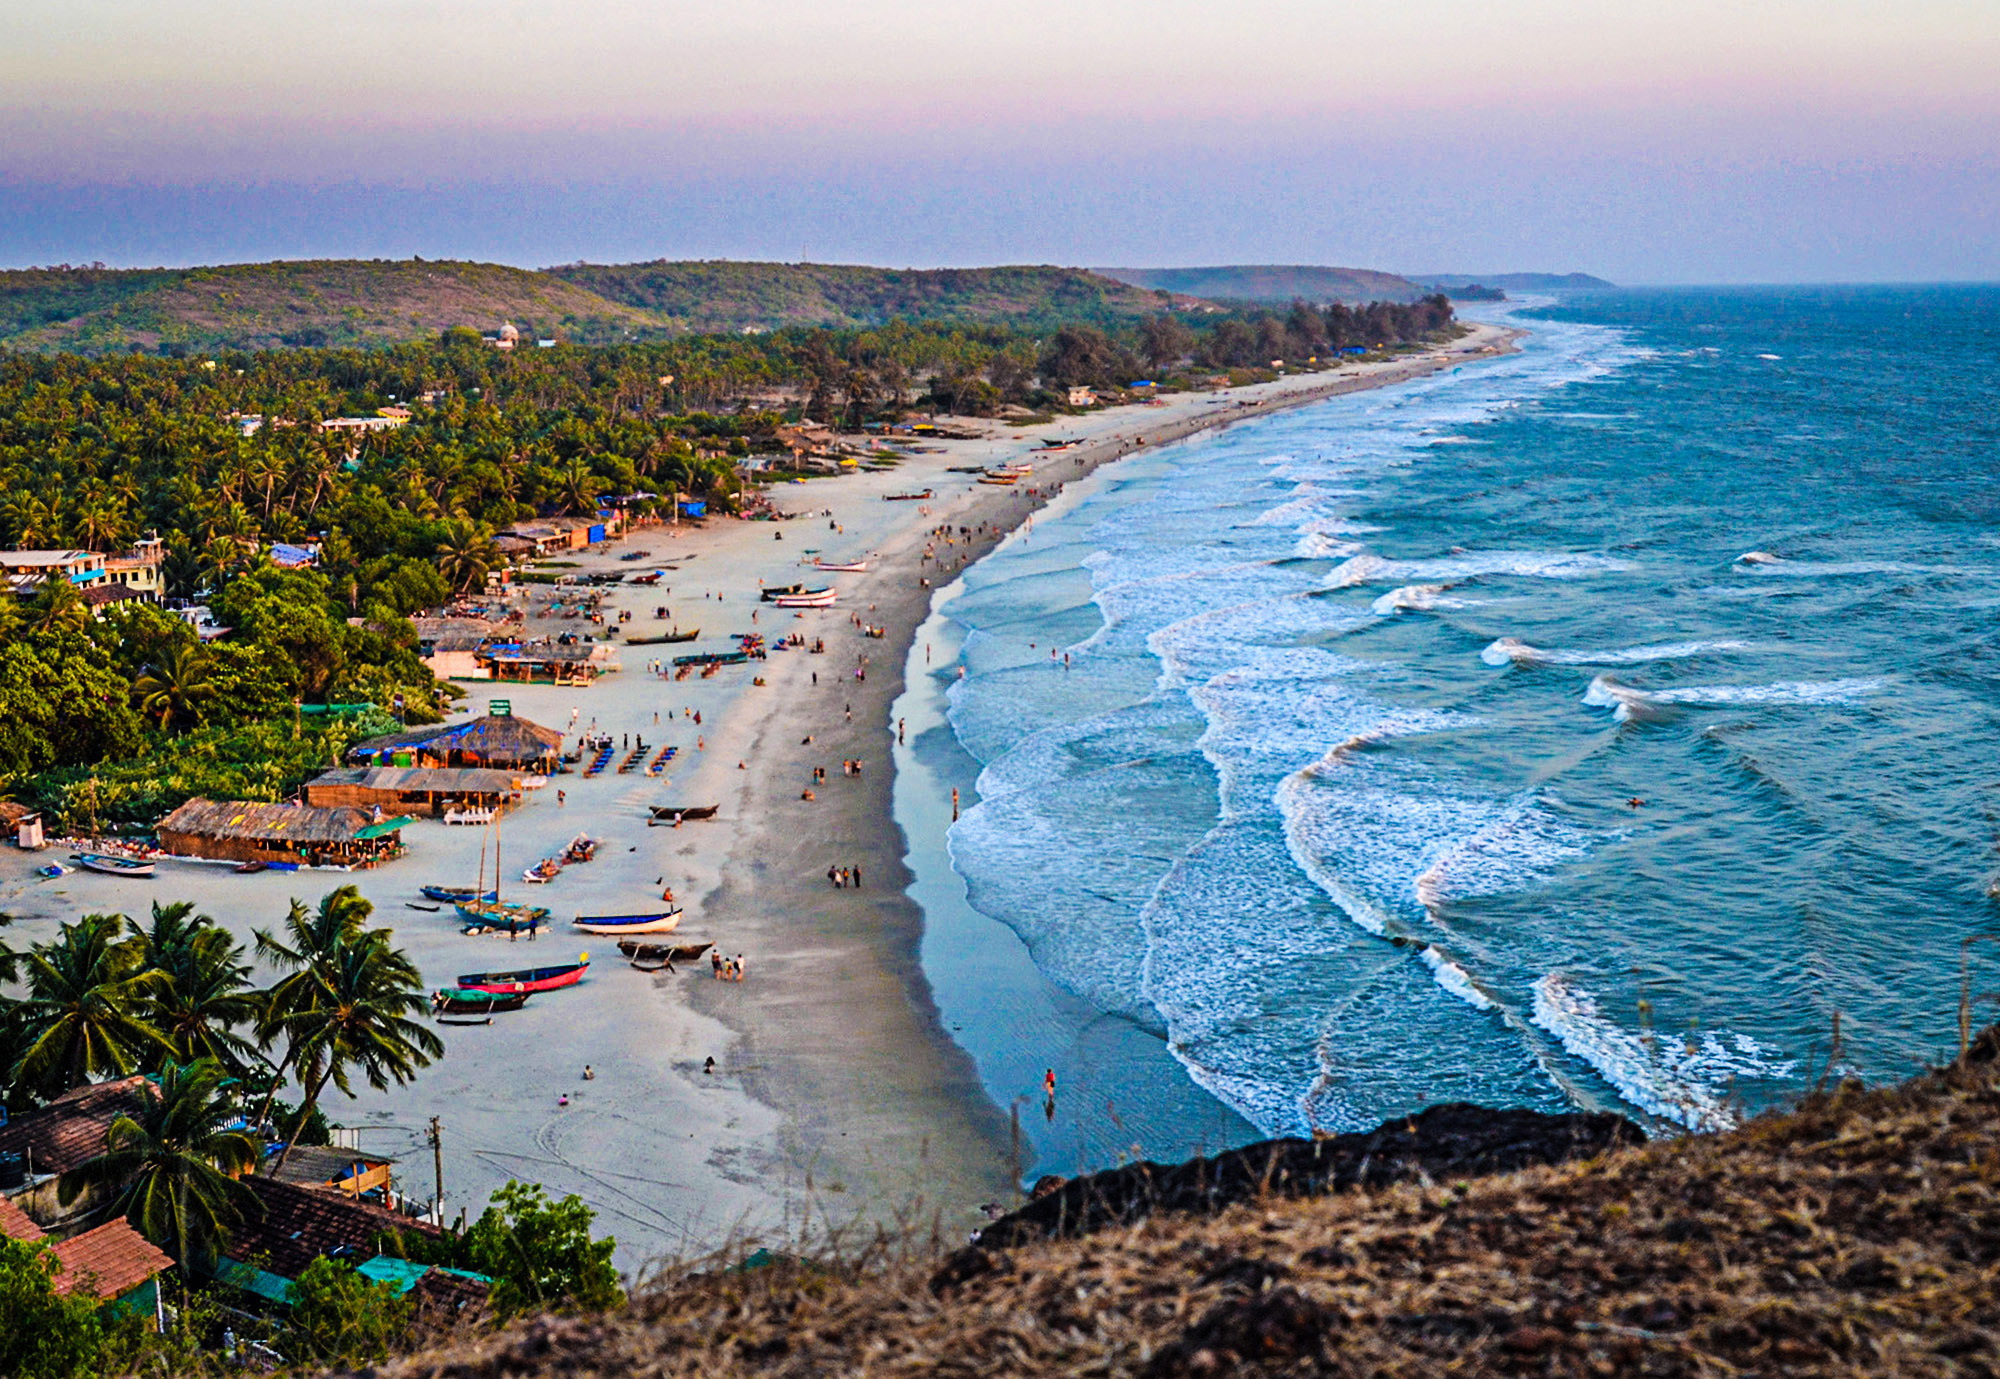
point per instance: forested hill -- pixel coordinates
(375, 302)
(1274, 283)
(1515, 282)
(719, 295)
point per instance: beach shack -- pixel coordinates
(555, 663)
(450, 646)
(494, 741)
(287, 834)
(433, 791)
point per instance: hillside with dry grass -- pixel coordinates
(376, 302)
(333, 302)
(1856, 1235)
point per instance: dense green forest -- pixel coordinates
(222, 456)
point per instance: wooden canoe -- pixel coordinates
(663, 952)
(531, 979)
(658, 922)
(114, 866)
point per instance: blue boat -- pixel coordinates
(451, 895)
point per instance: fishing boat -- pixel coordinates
(658, 922)
(427, 909)
(451, 895)
(113, 866)
(999, 479)
(713, 658)
(640, 951)
(815, 598)
(851, 567)
(675, 636)
(495, 914)
(530, 979)
(651, 577)
(480, 1002)
(772, 591)
(907, 497)
(543, 872)
(667, 813)
(248, 868)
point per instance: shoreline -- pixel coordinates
(914, 1064)
(839, 1098)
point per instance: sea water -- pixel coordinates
(1590, 727)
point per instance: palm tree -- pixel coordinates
(85, 1005)
(310, 940)
(465, 556)
(359, 1021)
(57, 607)
(173, 691)
(208, 992)
(172, 1168)
(576, 487)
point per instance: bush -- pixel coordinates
(539, 1253)
(339, 1317)
(43, 1334)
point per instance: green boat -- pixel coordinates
(499, 914)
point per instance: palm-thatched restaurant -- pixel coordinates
(436, 791)
(286, 834)
(495, 741)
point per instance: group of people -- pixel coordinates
(844, 877)
(725, 969)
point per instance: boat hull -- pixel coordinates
(536, 979)
(454, 894)
(621, 925)
(114, 866)
(492, 914)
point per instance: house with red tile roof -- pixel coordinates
(111, 1261)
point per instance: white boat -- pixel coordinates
(664, 922)
(822, 598)
(114, 866)
(852, 567)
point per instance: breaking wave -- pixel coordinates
(1629, 702)
(1684, 1079)
(1375, 569)
(1514, 651)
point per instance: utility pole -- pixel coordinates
(437, 1163)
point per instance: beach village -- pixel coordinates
(647, 871)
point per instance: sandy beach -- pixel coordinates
(837, 1095)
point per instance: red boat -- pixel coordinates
(533, 979)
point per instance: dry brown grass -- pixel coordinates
(1857, 1235)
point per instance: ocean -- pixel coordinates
(1594, 727)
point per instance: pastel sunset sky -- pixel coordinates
(1680, 140)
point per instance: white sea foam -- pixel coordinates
(1318, 545)
(1514, 651)
(1629, 702)
(1416, 598)
(1455, 979)
(1684, 1079)
(1375, 569)
(1764, 563)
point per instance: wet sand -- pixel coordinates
(838, 1098)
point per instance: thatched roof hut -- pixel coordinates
(494, 740)
(244, 831)
(422, 789)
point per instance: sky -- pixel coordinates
(1658, 142)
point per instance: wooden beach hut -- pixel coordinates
(295, 834)
(422, 790)
(495, 741)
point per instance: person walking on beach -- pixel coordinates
(855, 873)
(739, 967)
(832, 876)
(715, 962)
